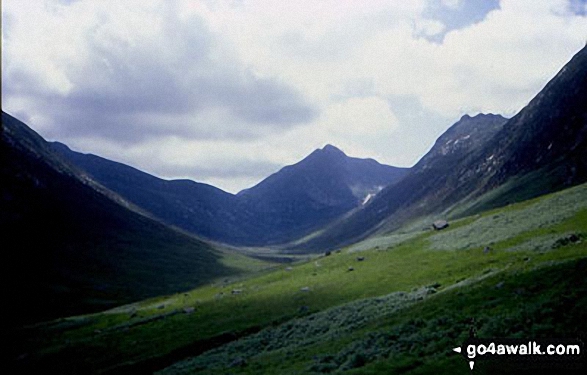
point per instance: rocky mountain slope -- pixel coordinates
(484, 162)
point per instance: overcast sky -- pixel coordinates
(228, 92)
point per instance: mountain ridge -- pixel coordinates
(287, 205)
(74, 247)
(526, 160)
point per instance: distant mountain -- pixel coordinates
(484, 162)
(305, 196)
(195, 207)
(287, 205)
(72, 246)
(430, 185)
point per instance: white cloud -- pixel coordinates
(134, 70)
(493, 66)
(221, 85)
(452, 3)
(360, 126)
(427, 27)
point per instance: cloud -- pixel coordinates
(493, 66)
(227, 91)
(453, 4)
(134, 71)
(578, 7)
(360, 126)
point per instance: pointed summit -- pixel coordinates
(330, 149)
(327, 153)
(324, 185)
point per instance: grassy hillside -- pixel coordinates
(401, 309)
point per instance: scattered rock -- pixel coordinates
(360, 259)
(188, 310)
(567, 240)
(304, 309)
(305, 289)
(487, 250)
(327, 253)
(351, 269)
(288, 269)
(440, 225)
(237, 291)
(161, 307)
(499, 285)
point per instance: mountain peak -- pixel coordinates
(327, 153)
(481, 115)
(332, 150)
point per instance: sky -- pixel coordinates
(228, 92)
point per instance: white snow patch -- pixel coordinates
(367, 198)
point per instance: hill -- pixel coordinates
(406, 303)
(540, 150)
(289, 204)
(195, 207)
(323, 186)
(73, 247)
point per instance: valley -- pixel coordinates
(405, 301)
(329, 265)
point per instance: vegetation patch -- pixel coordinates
(501, 225)
(510, 304)
(317, 317)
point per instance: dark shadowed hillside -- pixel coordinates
(318, 189)
(287, 205)
(72, 247)
(194, 207)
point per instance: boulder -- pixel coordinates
(440, 225)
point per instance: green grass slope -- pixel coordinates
(400, 310)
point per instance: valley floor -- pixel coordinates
(395, 304)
